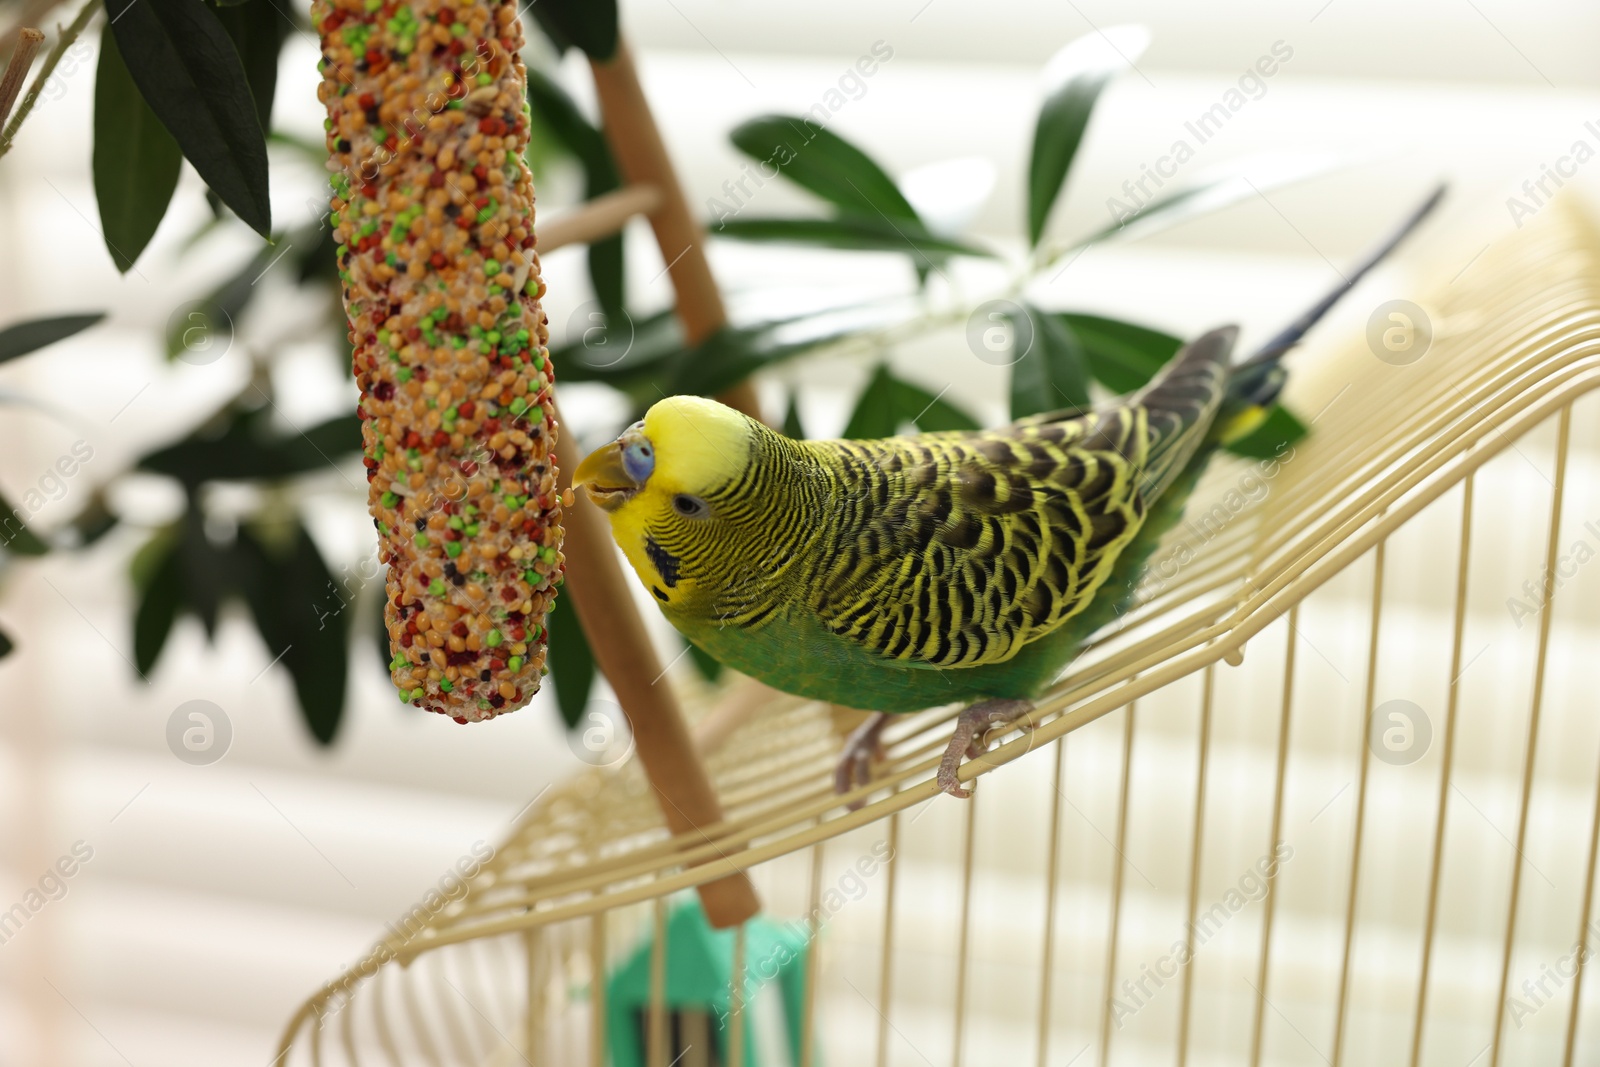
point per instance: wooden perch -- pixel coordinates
(601, 593)
(599, 218)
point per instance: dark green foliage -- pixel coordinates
(824, 163)
(135, 160)
(587, 25)
(1056, 136)
(21, 338)
(188, 70)
(889, 403)
(1053, 373)
(303, 617)
(570, 660)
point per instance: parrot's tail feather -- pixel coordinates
(1180, 403)
(1256, 381)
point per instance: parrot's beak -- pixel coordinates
(610, 475)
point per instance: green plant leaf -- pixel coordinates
(875, 414)
(190, 73)
(644, 344)
(1077, 74)
(930, 412)
(159, 598)
(1053, 373)
(824, 163)
(316, 257)
(135, 160)
(302, 619)
(792, 426)
(1277, 432)
(381, 632)
(243, 446)
(607, 272)
(887, 403)
(258, 31)
(15, 537)
(587, 25)
(1242, 180)
(570, 660)
(856, 232)
(207, 570)
(732, 354)
(21, 338)
(1122, 356)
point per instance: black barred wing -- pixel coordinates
(955, 550)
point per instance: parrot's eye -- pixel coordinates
(690, 507)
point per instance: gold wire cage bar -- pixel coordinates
(1241, 864)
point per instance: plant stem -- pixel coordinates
(63, 42)
(28, 41)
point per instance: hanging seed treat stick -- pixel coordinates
(433, 214)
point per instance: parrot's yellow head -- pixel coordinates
(677, 488)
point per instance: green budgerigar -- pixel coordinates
(899, 574)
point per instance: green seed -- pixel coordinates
(388, 500)
(436, 588)
(493, 639)
(452, 549)
(421, 540)
(515, 663)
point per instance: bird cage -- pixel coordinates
(1329, 793)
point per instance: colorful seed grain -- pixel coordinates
(433, 214)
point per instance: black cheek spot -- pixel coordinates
(659, 594)
(665, 562)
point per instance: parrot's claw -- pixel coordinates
(970, 737)
(855, 763)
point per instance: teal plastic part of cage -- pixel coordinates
(699, 977)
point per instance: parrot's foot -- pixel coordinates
(972, 726)
(864, 744)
